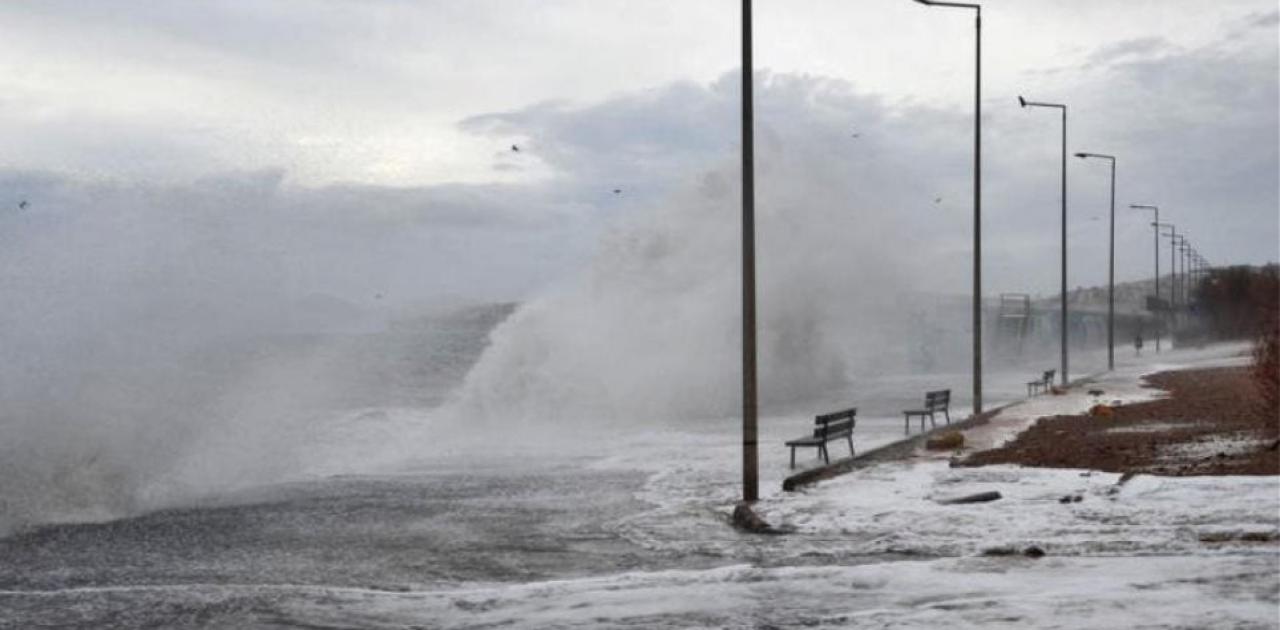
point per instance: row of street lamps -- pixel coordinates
(750, 397)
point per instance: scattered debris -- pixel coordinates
(1096, 393)
(1033, 551)
(1238, 536)
(981, 497)
(948, 441)
(1071, 498)
(745, 519)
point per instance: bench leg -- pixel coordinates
(947, 413)
(932, 422)
(825, 457)
(906, 424)
(793, 457)
(851, 451)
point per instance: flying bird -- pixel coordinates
(617, 191)
(22, 205)
(515, 149)
(857, 135)
(938, 200)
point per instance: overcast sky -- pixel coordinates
(404, 111)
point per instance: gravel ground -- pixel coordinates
(1211, 423)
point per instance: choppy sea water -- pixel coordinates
(618, 525)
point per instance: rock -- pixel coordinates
(1071, 498)
(1031, 552)
(948, 441)
(981, 497)
(999, 551)
(745, 519)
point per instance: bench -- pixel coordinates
(1042, 384)
(827, 427)
(934, 402)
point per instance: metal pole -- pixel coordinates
(1025, 103)
(1111, 263)
(1155, 234)
(1173, 285)
(977, 195)
(1111, 278)
(750, 465)
(977, 217)
(1155, 239)
(1186, 285)
(1065, 378)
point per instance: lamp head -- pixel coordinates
(1084, 155)
(1021, 101)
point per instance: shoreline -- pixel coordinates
(1208, 421)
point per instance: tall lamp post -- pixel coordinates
(750, 401)
(1185, 250)
(977, 195)
(1025, 103)
(1155, 232)
(1173, 277)
(1181, 276)
(1111, 263)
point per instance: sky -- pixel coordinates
(375, 135)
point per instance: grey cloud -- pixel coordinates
(1264, 20)
(1128, 50)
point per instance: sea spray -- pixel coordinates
(651, 331)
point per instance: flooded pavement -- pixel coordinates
(628, 529)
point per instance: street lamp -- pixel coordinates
(1173, 278)
(1025, 103)
(750, 401)
(977, 196)
(1184, 249)
(1180, 250)
(1156, 238)
(1111, 263)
